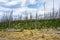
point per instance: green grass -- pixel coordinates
(30, 24)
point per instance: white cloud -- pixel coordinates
(32, 1)
(49, 6)
(23, 2)
(2, 0)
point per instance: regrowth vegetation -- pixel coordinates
(30, 24)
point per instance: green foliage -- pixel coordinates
(30, 24)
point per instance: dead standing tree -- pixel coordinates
(53, 10)
(36, 19)
(5, 19)
(30, 16)
(36, 16)
(19, 16)
(44, 10)
(10, 18)
(26, 15)
(59, 11)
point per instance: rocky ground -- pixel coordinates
(43, 34)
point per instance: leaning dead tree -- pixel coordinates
(10, 16)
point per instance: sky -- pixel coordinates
(30, 6)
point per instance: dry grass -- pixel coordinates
(35, 34)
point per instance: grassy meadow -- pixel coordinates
(30, 30)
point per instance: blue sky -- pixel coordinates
(6, 5)
(20, 6)
(18, 3)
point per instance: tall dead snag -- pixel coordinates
(26, 17)
(10, 18)
(53, 10)
(59, 11)
(36, 15)
(44, 10)
(5, 19)
(20, 17)
(50, 14)
(35, 24)
(30, 16)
